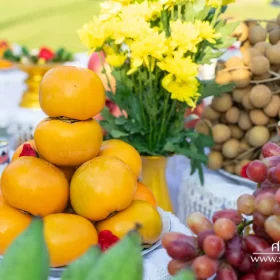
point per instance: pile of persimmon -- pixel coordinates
(83, 188)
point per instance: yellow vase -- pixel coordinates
(30, 98)
(153, 176)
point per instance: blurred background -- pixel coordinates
(53, 23)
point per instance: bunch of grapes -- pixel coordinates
(236, 244)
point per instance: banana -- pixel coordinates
(123, 261)
(27, 258)
(81, 268)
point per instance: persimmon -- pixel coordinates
(19, 149)
(102, 186)
(139, 212)
(67, 143)
(145, 194)
(12, 224)
(123, 151)
(68, 236)
(35, 186)
(72, 92)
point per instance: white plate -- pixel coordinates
(56, 272)
(240, 180)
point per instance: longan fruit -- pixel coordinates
(257, 34)
(244, 146)
(261, 77)
(223, 78)
(262, 47)
(274, 35)
(236, 132)
(230, 168)
(241, 32)
(258, 136)
(234, 61)
(248, 54)
(215, 160)
(238, 93)
(222, 103)
(273, 107)
(217, 147)
(230, 148)
(273, 54)
(259, 65)
(203, 126)
(258, 117)
(260, 96)
(210, 114)
(232, 115)
(241, 77)
(244, 121)
(221, 133)
(240, 165)
(270, 25)
(246, 101)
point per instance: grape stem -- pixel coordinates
(242, 226)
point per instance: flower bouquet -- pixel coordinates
(154, 49)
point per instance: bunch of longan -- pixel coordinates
(245, 119)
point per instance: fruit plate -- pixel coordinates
(240, 180)
(55, 273)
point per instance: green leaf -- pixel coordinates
(81, 268)
(123, 261)
(208, 55)
(118, 134)
(27, 258)
(184, 275)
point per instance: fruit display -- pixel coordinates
(240, 243)
(245, 119)
(86, 190)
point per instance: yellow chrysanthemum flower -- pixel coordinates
(206, 31)
(218, 3)
(184, 35)
(181, 67)
(124, 2)
(152, 45)
(109, 9)
(129, 28)
(116, 60)
(168, 4)
(94, 34)
(184, 91)
(147, 10)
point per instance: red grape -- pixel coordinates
(276, 209)
(260, 232)
(235, 252)
(225, 228)
(264, 203)
(269, 259)
(204, 267)
(264, 190)
(179, 246)
(272, 227)
(214, 246)
(198, 222)
(262, 274)
(230, 214)
(274, 174)
(255, 244)
(277, 196)
(175, 266)
(257, 171)
(202, 235)
(247, 264)
(271, 161)
(270, 149)
(245, 204)
(250, 276)
(259, 219)
(226, 272)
